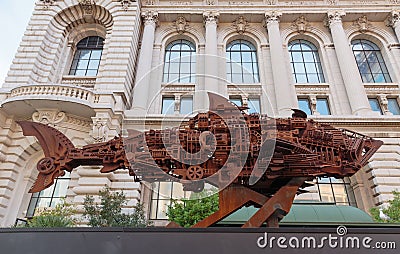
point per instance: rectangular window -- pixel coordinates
(236, 100)
(186, 105)
(393, 106)
(323, 106)
(375, 106)
(168, 105)
(162, 195)
(304, 104)
(49, 197)
(254, 105)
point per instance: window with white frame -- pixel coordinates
(87, 57)
(162, 195)
(180, 62)
(383, 105)
(375, 105)
(51, 196)
(186, 105)
(242, 64)
(253, 103)
(170, 104)
(305, 62)
(314, 105)
(370, 62)
(393, 106)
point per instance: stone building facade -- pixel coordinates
(89, 67)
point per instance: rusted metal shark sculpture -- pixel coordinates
(253, 159)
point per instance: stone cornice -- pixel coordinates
(272, 3)
(343, 121)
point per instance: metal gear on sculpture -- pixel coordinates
(197, 151)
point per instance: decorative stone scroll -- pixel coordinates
(48, 116)
(150, 17)
(210, 17)
(272, 16)
(334, 17)
(393, 18)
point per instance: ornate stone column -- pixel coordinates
(348, 67)
(285, 92)
(394, 21)
(211, 52)
(142, 81)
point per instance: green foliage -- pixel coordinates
(60, 216)
(188, 212)
(109, 212)
(392, 211)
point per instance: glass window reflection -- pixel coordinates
(87, 57)
(370, 62)
(305, 62)
(51, 196)
(242, 64)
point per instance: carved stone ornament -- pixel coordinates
(210, 2)
(334, 17)
(393, 18)
(384, 104)
(100, 129)
(181, 24)
(48, 116)
(301, 24)
(240, 24)
(125, 4)
(87, 6)
(271, 2)
(313, 105)
(331, 2)
(150, 17)
(362, 23)
(210, 17)
(272, 16)
(47, 3)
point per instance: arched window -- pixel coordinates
(305, 62)
(180, 62)
(87, 56)
(370, 62)
(242, 65)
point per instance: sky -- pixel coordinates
(14, 17)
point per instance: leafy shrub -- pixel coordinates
(392, 211)
(60, 216)
(188, 212)
(109, 212)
